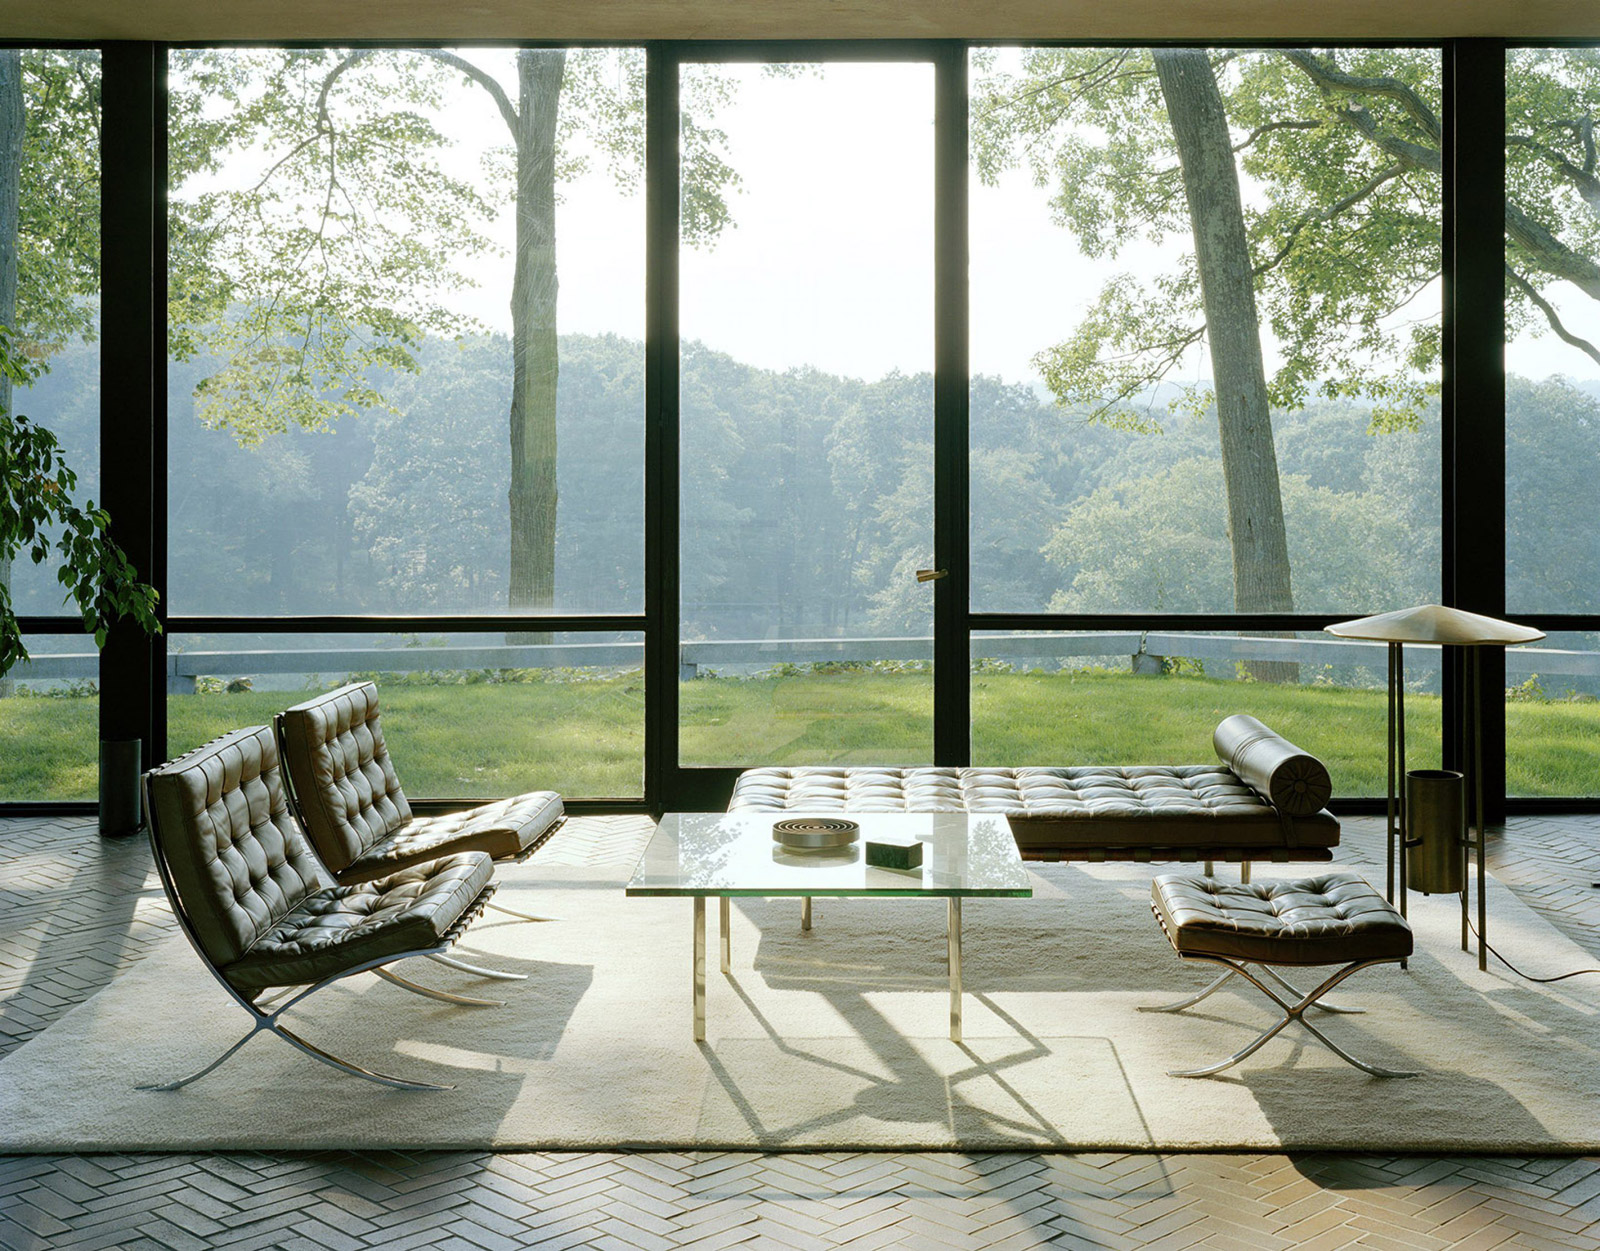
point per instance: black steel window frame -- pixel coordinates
(134, 367)
(1551, 623)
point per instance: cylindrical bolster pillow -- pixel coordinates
(1272, 766)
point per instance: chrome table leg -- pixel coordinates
(699, 968)
(727, 944)
(805, 912)
(953, 939)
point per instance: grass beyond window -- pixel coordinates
(587, 738)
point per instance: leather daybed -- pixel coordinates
(1262, 801)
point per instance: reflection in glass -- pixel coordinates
(732, 853)
(464, 715)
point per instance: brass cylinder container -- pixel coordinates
(1436, 805)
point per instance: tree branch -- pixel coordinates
(484, 80)
(1549, 254)
(1328, 214)
(1581, 177)
(1551, 316)
(1330, 78)
(1259, 131)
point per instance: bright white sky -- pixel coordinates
(829, 259)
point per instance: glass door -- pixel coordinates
(806, 413)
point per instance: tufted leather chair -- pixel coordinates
(349, 797)
(260, 908)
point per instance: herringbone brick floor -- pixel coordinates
(74, 910)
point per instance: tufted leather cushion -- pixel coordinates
(355, 811)
(345, 926)
(1333, 918)
(238, 859)
(505, 828)
(1286, 777)
(343, 779)
(1056, 813)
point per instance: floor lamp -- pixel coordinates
(1449, 627)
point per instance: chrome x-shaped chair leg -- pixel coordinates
(1293, 1011)
(451, 962)
(1222, 979)
(525, 854)
(521, 916)
(443, 996)
(267, 1022)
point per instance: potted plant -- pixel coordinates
(39, 511)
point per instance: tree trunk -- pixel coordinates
(13, 121)
(1227, 286)
(533, 337)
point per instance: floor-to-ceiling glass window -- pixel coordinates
(805, 412)
(50, 309)
(1553, 417)
(406, 324)
(1205, 310)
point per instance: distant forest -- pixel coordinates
(806, 499)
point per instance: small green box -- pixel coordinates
(891, 854)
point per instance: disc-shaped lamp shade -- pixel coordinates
(1433, 623)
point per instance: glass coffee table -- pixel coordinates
(701, 854)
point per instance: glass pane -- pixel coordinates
(1105, 475)
(1553, 716)
(1133, 697)
(376, 403)
(1553, 329)
(50, 721)
(464, 715)
(50, 297)
(806, 398)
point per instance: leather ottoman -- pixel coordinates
(1332, 918)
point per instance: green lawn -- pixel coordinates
(587, 737)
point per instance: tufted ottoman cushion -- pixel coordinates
(1333, 918)
(1141, 812)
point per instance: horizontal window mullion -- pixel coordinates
(792, 51)
(51, 625)
(575, 624)
(1553, 622)
(1153, 621)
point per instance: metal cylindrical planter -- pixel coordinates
(119, 787)
(1436, 807)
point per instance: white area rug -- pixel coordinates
(835, 1039)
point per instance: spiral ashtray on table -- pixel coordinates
(824, 834)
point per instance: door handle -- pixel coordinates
(932, 575)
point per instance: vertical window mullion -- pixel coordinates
(952, 691)
(1474, 346)
(131, 330)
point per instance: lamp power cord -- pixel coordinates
(1559, 977)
